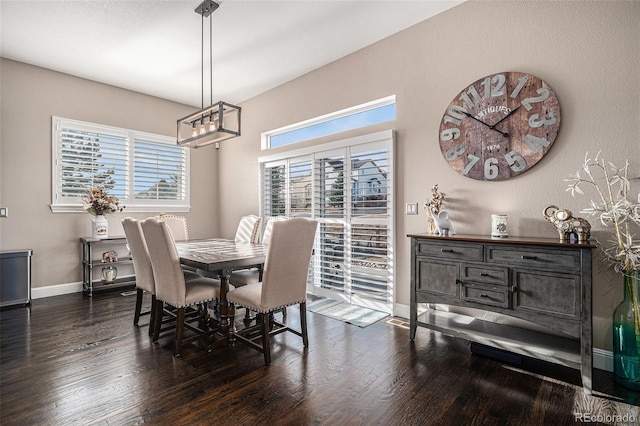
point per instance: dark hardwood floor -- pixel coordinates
(74, 360)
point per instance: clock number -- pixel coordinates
(448, 119)
(472, 162)
(515, 161)
(544, 94)
(448, 134)
(454, 152)
(536, 143)
(521, 82)
(455, 115)
(535, 121)
(498, 81)
(491, 168)
(464, 96)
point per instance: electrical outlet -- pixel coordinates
(411, 208)
(4, 212)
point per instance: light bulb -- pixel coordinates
(194, 131)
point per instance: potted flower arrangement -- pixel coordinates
(98, 203)
(618, 209)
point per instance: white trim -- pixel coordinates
(602, 360)
(383, 135)
(74, 208)
(378, 103)
(56, 290)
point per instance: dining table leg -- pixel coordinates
(227, 310)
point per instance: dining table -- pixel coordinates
(219, 257)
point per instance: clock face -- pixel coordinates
(500, 126)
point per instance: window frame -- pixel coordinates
(75, 205)
(265, 138)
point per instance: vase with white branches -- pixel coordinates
(618, 209)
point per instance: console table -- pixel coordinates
(540, 280)
(92, 264)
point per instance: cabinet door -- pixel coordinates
(546, 293)
(439, 278)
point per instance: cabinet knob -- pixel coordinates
(514, 289)
(484, 274)
(446, 251)
(525, 257)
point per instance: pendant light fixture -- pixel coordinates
(220, 120)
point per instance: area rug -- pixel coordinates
(351, 314)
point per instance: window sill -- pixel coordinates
(74, 208)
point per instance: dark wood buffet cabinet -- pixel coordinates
(539, 280)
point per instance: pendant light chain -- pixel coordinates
(211, 60)
(202, 61)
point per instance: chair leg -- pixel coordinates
(152, 320)
(303, 324)
(157, 324)
(179, 329)
(266, 347)
(136, 315)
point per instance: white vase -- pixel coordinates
(99, 227)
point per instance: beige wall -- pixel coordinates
(29, 97)
(588, 52)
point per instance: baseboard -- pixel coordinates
(401, 311)
(602, 359)
(55, 290)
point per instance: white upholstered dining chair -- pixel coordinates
(171, 286)
(177, 225)
(254, 275)
(284, 283)
(248, 230)
(142, 268)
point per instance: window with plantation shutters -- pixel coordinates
(159, 172)
(146, 172)
(347, 186)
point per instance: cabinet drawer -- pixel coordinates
(484, 274)
(458, 251)
(564, 260)
(486, 294)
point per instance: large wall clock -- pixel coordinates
(499, 126)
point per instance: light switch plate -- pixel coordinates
(411, 208)
(4, 212)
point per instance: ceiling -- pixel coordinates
(154, 46)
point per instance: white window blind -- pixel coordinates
(158, 171)
(90, 158)
(146, 172)
(274, 198)
(348, 187)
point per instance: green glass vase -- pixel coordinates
(626, 334)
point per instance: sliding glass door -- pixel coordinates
(347, 187)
